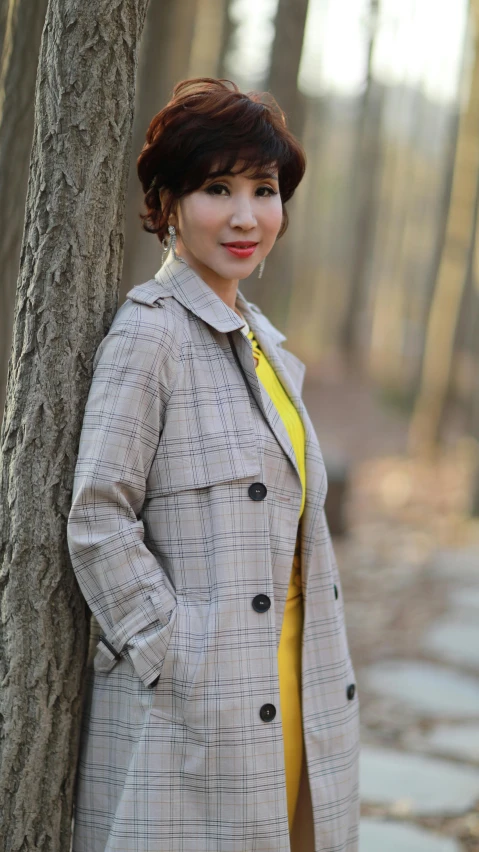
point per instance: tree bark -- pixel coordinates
(18, 68)
(66, 298)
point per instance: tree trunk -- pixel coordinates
(452, 273)
(4, 5)
(227, 32)
(290, 22)
(164, 60)
(18, 68)
(364, 192)
(207, 42)
(66, 298)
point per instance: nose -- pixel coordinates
(243, 214)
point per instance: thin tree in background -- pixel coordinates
(290, 24)
(4, 4)
(227, 33)
(164, 60)
(206, 49)
(474, 355)
(21, 23)
(282, 82)
(364, 191)
(66, 298)
(453, 271)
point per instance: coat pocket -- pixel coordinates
(147, 649)
(184, 654)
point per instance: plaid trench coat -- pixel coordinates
(171, 546)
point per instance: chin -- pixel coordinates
(241, 270)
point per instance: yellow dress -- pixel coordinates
(289, 652)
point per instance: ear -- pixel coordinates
(284, 223)
(173, 213)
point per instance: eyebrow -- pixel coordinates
(258, 176)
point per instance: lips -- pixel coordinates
(240, 248)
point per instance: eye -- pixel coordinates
(266, 191)
(217, 189)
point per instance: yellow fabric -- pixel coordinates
(285, 408)
(289, 651)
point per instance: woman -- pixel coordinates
(222, 682)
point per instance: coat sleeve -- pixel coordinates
(128, 592)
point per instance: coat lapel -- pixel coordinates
(186, 286)
(268, 338)
(178, 280)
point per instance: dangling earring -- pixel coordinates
(261, 267)
(172, 233)
(166, 247)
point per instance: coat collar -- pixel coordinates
(178, 280)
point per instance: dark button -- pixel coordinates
(153, 682)
(257, 491)
(267, 712)
(261, 603)
(336, 592)
(351, 691)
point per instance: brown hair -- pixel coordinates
(208, 124)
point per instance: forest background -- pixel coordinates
(375, 283)
(378, 270)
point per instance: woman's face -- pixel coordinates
(225, 228)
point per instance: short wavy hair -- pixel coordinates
(210, 124)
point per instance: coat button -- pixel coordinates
(261, 603)
(267, 712)
(336, 592)
(257, 491)
(351, 691)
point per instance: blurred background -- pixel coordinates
(376, 285)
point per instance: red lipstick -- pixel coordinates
(240, 248)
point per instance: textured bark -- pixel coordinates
(66, 297)
(18, 69)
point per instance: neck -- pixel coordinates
(225, 288)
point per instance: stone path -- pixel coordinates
(398, 837)
(420, 755)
